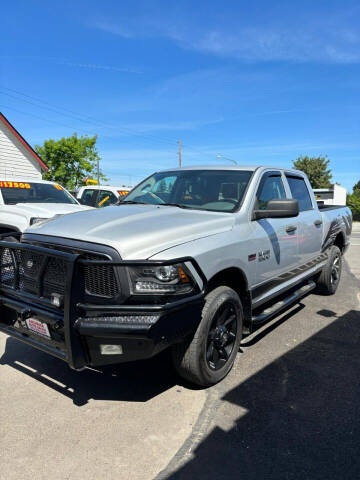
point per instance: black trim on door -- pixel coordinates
(265, 287)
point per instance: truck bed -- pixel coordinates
(329, 207)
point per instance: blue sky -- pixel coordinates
(259, 82)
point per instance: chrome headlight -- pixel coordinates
(165, 279)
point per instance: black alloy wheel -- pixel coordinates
(329, 278)
(208, 356)
(221, 336)
(335, 270)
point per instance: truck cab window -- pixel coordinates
(105, 198)
(300, 192)
(271, 188)
(87, 197)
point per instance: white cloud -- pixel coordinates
(171, 126)
(68, 63)
(323, 38)
(115, 29)
(255, 44)
(95, 66)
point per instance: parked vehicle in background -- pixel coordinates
(101, 195)
(26, 202)
(191, 259)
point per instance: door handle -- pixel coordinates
(317, 223)
(291, 228)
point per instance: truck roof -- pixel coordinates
(24, 180)
(232, 167)
(104, 187)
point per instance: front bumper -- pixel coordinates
(140, 334)
(78, 331)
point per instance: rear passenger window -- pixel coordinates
(300, 192)
(271, 188)
(87, 197)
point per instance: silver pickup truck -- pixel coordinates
(192, 259)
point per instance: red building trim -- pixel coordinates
(13, 130)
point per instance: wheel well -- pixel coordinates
(234, 278)
(8, 229)
(340, 241)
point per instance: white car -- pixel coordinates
(24, 202)
(101, 195)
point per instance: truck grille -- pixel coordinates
(100, 280)
(41, 274)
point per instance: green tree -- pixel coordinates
(356, 187)
(316, 168)
(70, 160)
(353, 202)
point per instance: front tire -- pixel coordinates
(329, 278)
(208, 357)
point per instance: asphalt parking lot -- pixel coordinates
(290, 408)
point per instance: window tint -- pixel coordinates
(87, 197)
(105, 198)
(300, 192)
(271, 188)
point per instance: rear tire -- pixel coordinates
(329, 278)
(208, 357)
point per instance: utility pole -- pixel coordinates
(179, 142)
(98, 171)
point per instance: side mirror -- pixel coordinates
(283, 208)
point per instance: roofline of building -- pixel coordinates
(22, 140)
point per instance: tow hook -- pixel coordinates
(25, 314)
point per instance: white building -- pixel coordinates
(336, 195)
(17, 157)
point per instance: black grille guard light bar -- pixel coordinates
(74, 353)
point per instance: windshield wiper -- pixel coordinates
(174, 205)
(133, 202)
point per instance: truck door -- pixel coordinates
(309, 219)
(274, 241)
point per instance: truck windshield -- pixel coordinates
(214, 190)
(24, 192)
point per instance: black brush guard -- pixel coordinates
(79, 323)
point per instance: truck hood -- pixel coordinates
(137, 231)
(48, 210)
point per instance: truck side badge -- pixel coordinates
(264, 255)
(252, 257)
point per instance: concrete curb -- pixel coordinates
(194, 439)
